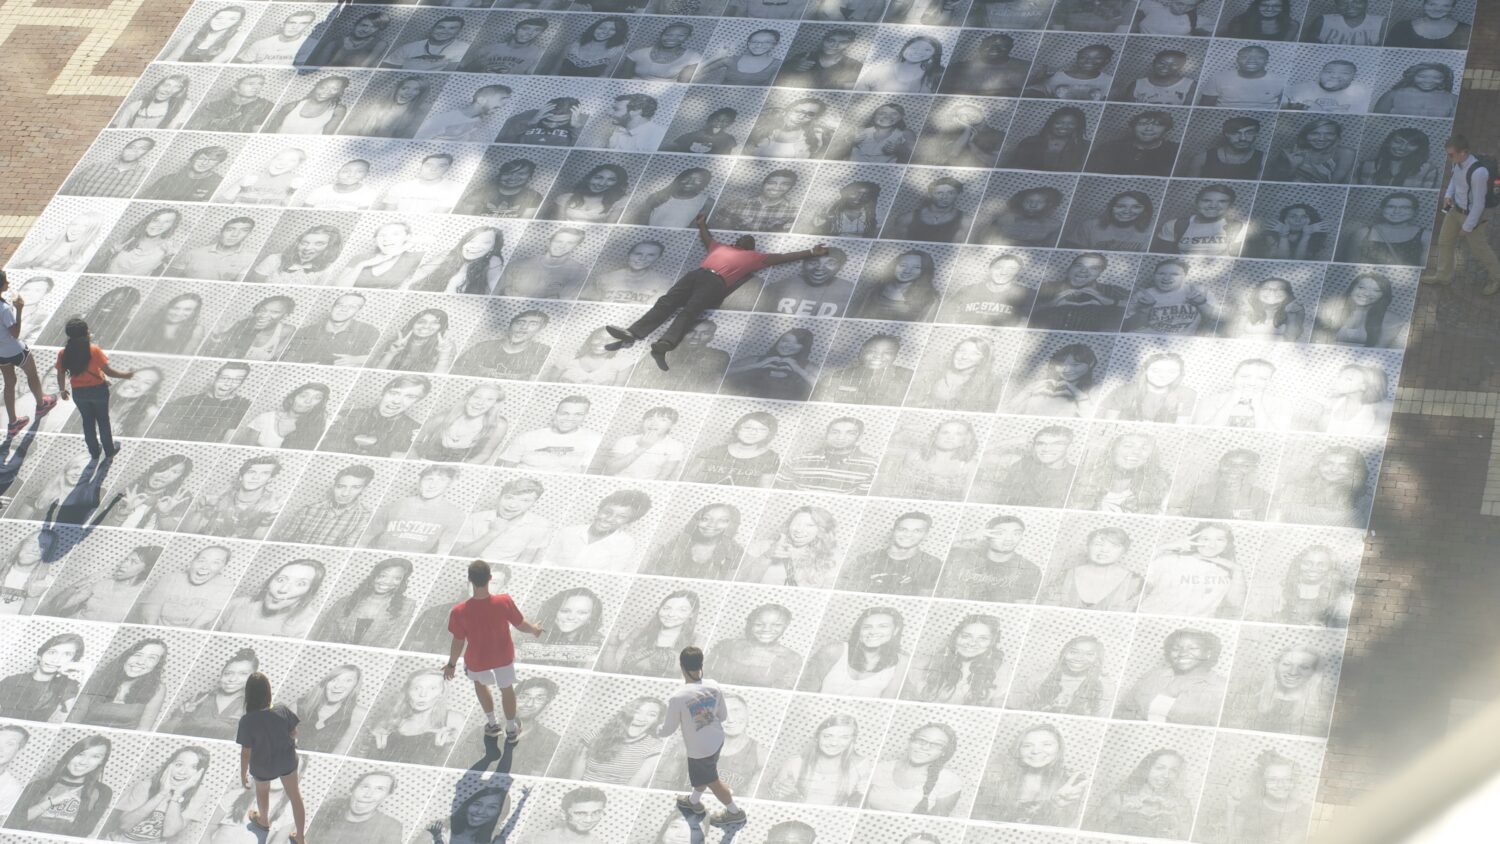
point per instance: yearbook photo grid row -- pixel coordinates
(1031, 512)
(1096, 699)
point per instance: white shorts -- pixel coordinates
(503, 677)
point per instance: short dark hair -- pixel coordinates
(691, 659)
(479, 573)
(542, 683)
(257, 692)
(1235, 124)
(1458, 142)
(643, 103)
(358, 470)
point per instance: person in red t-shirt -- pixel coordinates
(484, 622)
(703, 289)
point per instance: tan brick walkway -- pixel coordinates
(69, 63)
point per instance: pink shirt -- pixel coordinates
(733, 263)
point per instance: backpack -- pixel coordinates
(1492, 189)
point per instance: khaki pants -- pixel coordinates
(1477, 242)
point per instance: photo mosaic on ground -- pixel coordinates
(1030, 512)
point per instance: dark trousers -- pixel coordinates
(93, 411)
(699, 291)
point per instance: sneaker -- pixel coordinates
(1491, 289)
(1428, 278)
(493, 730)
(45, 405)
(724, 817)
(621, 334)
(686, 804)
(511, 738)
(18, 426)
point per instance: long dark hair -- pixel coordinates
(257, 692)
(610, 197)
(141, 688)
(91, 779)
(610, 739)
(1142, 223)
(889, 653)
(476, 272)
(948, 668)
(1244, 25)
(366, 587)
(935, 767)
(1090, 694)
(459, 820)
(77, 351)
(641, 645)
(198, 753)
(1315, 241)
(1410, 166)
(310, 425)
(225, 39)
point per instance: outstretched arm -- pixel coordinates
(705, 236)
(788, 257)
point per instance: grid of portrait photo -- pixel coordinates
(1030, 511)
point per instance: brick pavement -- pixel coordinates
(1419, 653)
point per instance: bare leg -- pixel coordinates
(294, 796)
(486, 700)
(508, 702)
(9, 373)
(33, 381)
(721, 791)
(262, 804)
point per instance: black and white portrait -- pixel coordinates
(1058, 754)
(1259, 789)
(1148, 781)
(1283, 680)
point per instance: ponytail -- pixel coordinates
(76, 351)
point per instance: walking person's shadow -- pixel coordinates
(13, 456)
(472, 782)
(74, 516)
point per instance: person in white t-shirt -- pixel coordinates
(349, 190)
(283, 47)
(1246, 85)
(470, 123)
(1170, 17)
(602, 543)
(440, 50)
(698, 710)
(1350, 25)
(431, 192)
(1337, 89)
(1171, 304)
(1164, 83)
(1083, 79)
(563, 446)
(508, 532)
(1210, 230)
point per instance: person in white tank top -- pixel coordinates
(878, 661)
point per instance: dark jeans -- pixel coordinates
(93, 411)
(699, 291)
